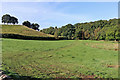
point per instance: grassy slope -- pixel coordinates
(22, 30)
(58, 58)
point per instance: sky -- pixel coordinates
(59, 0)
(58, 14)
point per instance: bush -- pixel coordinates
(17, 36)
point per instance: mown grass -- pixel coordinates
(22, 30)
(59, 59)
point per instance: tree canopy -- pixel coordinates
(34, 26)
(27, 23)
(97, 30)
(13, 20)
(9, 19)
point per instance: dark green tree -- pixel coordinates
(13, 20)
(27, 23)
(97, 30)
(6, 18)
(35, 26)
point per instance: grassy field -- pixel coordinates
(60, 59)
(22, 30)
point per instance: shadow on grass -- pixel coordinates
(15, 76)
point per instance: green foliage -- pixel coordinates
(34, 26)
(13, 20)
(17, 36)
(27, 23)
(6, 18)
(56, 34)
(9, 19)
(98, 30)
(50, 30)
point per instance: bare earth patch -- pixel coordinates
(113, 66)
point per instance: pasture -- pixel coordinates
(60, 58)
(22, 30)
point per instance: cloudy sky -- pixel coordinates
(60, 13)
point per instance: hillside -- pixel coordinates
(22, 30)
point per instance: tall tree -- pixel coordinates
(27, 23)
(13, 20)
(56, 34)
(87, 35)
(35, 26)
(6, 18)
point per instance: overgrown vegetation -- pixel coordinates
(98, 30)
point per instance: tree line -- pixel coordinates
(97, 30)
(7, 19)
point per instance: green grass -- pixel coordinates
(56, 59)
(22, 30)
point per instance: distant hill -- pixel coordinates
(22, 30)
